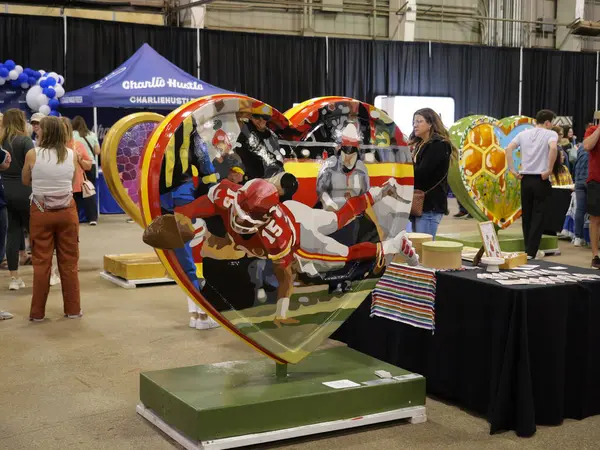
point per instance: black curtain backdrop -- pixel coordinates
(95, 48)
(279, 70)
(482, 80)
(366, 69)
(34, 42)
(283, 70)
(400, 68)
(564, 82)
(351, 68)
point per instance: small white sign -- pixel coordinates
(341, 384)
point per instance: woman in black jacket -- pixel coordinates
(431, 157)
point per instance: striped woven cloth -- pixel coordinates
(406, 294)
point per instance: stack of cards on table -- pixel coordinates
(537, 276)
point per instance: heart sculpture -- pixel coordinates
(480, 178)
(283, 231)
(121, 159)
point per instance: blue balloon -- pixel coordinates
(54, 113)
(50, 92)
(15, 83)
(51, 81)
(4, 72)
(37, 75)
(22, 78)
(44, 83)
(54, 104)
(10, 64)
(31, 80)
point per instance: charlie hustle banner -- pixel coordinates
(160, 82)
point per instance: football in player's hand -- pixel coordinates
(169, 232)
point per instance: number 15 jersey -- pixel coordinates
(274, 240)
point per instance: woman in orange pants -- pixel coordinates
(54, 224)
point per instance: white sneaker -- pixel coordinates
(261, 295)
(93, 223)
(16, 284)
(206, 324)
(564, 234)
(540, 254)
(193, 321)
(578, 242)
(74, 316)
(4, 315)
(54, 279)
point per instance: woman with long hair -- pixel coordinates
(16, 141)
(89, 140)
(85, 164)
(560, 172)
(50, 170)
(432, 153)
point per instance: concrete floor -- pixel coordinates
(73, 384)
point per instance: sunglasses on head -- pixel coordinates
(262, 116)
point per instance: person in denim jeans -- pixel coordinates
(4, 163)
(580, 177)
(431, 158)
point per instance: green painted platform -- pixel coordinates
(510, 241)
(237, 398)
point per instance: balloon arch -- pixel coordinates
(43, 89)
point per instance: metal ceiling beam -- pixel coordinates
(191, 5)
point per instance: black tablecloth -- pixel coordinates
(520, 355)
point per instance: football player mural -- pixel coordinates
(291, 247)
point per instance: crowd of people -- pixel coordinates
(43, 165)
(41, 192)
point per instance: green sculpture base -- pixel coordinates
(240, 403)
(510, 241)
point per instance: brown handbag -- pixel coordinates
(416, 208)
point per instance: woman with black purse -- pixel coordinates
(82, 134)
(432, 154)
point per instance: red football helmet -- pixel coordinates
(253, 205)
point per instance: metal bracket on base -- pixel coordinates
(414, 414)
(281, 371)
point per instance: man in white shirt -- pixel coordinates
(538, 154)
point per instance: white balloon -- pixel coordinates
(61, 79)
(13, 75)
(45, 109)
(53, 75)
(42, 100)
(24, 85)
(60, 91)
(31, 97)
(2, 81)
(43, 72)
(19, 69)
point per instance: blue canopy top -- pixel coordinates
(146, 80)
